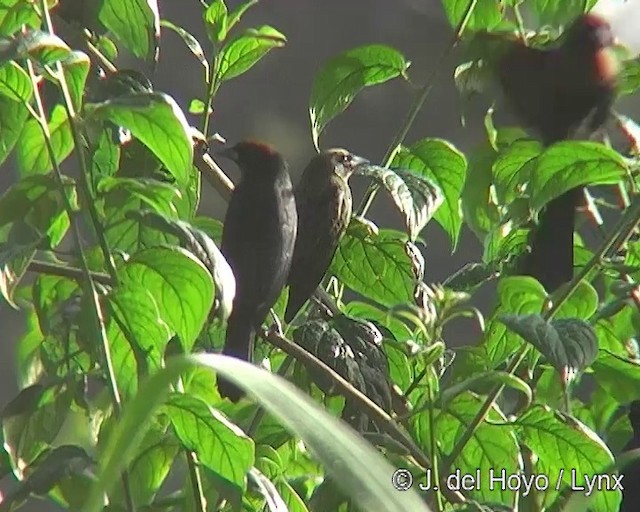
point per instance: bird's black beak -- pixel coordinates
(230, 153)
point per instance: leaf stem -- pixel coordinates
(416, 107)
(90, 287)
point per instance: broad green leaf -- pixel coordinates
(76, 69)
(15, 83)
(618, 376)
(441, 162)
(16, 252)
(362, 473)
(36, 201)
(199, 244)
(554, 12)
(31, 421)
(479, 209)
(569, 344)
(137, 336)
(509, 168)
(31, 149)
(486, 14)
(221, 446)
(215, 21)
(243, 52)
(191, 42)
(181, 285)
(566, 165)
(151, 467)
(415, 195)
(629, 79)
(136, 23)
(490, 447)
(582, 303)
(375, 265)
(157, 120)
(517, 295)
(197, 107)
(566, 451)
(343, 77)
(13, 116)
(14, 14)
(44, 47)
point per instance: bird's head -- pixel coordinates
(590, 38)
(254, 158)
(589, 32)
(342, 162)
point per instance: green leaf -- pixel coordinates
(486, 14)
(243, 52)
(220, 445)
(76, 69)
(441, 162)
(199, 244)
(375, 265)
(235, 15)
(361, 472)
(519, 295)
(569, 344)
(181, 285)
(31, 421)
(14, 14)
(343, 77)
(136, 23)
(192, 43)
(36, 201)
(15, 83)
(618, 376)
(215, 21)
(490, 446)
(44, 47)
(415, 195)
(13, 116)
(566, 165)
(566, 451)
(479, 210)
(151, 467)
(31, 150)
(159, 123)
(559, 11)
(197, 107)
(629, 78)
(509, 168)
(583, 303)
(137, 336)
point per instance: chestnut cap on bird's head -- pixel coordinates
(252, 155)
(590, 30)
(343, 163)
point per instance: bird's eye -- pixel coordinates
(345, 159)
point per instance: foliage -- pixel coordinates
(117, 390)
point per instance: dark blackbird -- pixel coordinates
(555, 92)
(257, 240)
(324, 202)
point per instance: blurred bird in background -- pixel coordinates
(557, 92)
(324, 203)
(258, 240)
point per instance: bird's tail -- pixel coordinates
(551, 257)
(239, 344)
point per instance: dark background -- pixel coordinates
(270, 102)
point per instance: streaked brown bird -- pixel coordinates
(258, 238)
(324, 202)
(556, 92)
